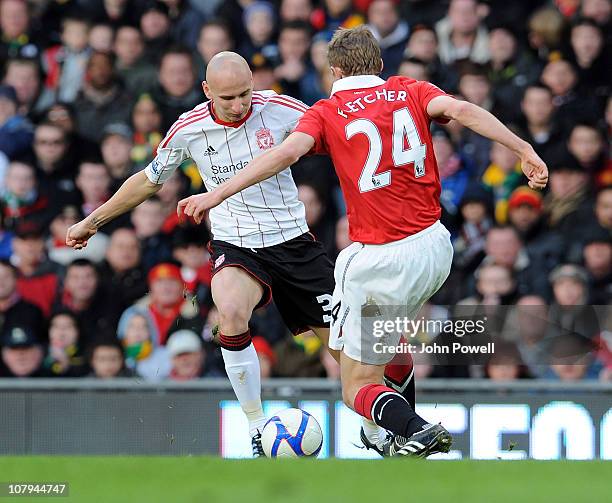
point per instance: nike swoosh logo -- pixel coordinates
(383, 408)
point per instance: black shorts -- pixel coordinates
(298, 274)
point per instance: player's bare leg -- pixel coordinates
(363, 392)
(398, 375)
(236, 294)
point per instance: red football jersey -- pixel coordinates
(377, 134)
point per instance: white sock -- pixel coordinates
(243, 371)
(373, 432)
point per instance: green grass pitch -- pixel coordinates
(210, 479)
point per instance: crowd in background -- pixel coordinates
(89, 88)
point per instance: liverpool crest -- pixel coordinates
(265, 140)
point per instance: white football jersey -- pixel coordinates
(265, 214)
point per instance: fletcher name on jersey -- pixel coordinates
(263, 215)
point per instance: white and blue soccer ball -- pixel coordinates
(291, 433)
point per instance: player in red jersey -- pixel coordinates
(377, 134)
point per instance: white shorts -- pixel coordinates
(386, 281)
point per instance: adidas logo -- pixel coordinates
(210, 151)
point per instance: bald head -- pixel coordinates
(225, 65)
(229, 84)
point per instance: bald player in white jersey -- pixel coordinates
(261, 246)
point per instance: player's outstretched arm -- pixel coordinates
(486, 124)
(266, 165)
(134, 191)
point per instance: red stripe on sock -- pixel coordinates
(366, 397)
(233, 341)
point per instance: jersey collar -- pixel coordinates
(356, 82)
(236, 124)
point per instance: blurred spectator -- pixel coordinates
(6, 239)
(259, 20)
(263, 75)
(189, 249)
(38, 277)
(22, 352)
(390, 31)
(174, 189)
(155, 27)
(532, 322)
(586, 144)
(56, 244)
(24, 75)
(14, 311)
(587, 43)
(121, 272)
(293, 45)
(82, 294)
(266, 356)
(603, 208)
(423, 45)
(94, 183)
(572, 359)
(461, 35)
(495, 286)
(106, 359)
(569, 313)
(116, 147)
(64, 64)
(475, 87)
(185, 22)
(504, 247)
(295, 10)
(562, 78)
(15, 130)
(64, 116)
(597, 253)
(414, 68)
(454, 175)
(506, 363)
(316, 83)
(167, 306)
(101, 37)
(475, 220)
(130, 65)
(334, 14)
(599, 10)
(176, 92)
(188, 357)
(545, 30)
(22, 200)
(102, 99)
(215, 37)
(511, 70)
(568, 206)
(113, 12)
(320, 226)
(55, 169)
(147, 123)
(137, 334)
(502, 176)
(65, 356)
(19, 38)
(539, 128)
(148, 219)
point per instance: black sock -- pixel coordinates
(388, 409)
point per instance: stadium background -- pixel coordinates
(89, 89)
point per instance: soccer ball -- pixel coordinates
(291, 433)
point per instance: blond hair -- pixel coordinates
(355, 51)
